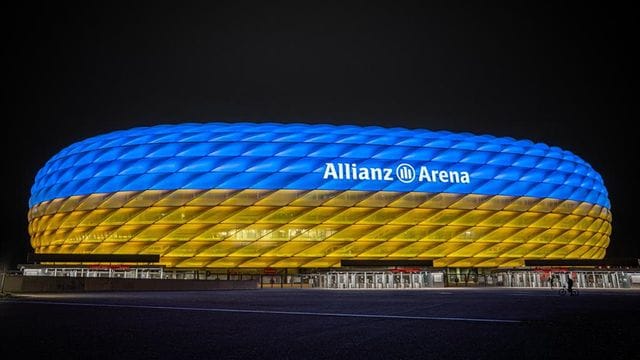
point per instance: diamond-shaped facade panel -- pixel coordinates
(295, 195)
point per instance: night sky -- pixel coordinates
(552, 73)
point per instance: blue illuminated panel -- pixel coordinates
(306, 157)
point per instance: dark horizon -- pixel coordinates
(547, 73)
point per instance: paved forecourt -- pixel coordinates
(325, 324)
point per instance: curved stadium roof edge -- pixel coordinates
(496, 165)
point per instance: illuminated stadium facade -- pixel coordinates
(296, 196)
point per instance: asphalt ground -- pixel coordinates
(477, 323)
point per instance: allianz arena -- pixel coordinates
(268, 195)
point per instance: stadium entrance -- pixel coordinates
(404, 279)
(585, 279)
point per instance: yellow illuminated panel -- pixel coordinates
(280, 198)
(319, 228)
(350, 215)
(117, 200)
(284, 215)
(289, 249)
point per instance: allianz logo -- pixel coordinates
(404, 172)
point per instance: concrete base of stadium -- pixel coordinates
(35, 284)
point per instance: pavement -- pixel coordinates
(447, 323)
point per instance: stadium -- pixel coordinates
(300, 196)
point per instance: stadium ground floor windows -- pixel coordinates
(376, 279)
(473, 278)
(556, 279)
(369, 278)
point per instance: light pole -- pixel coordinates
(4, 273)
